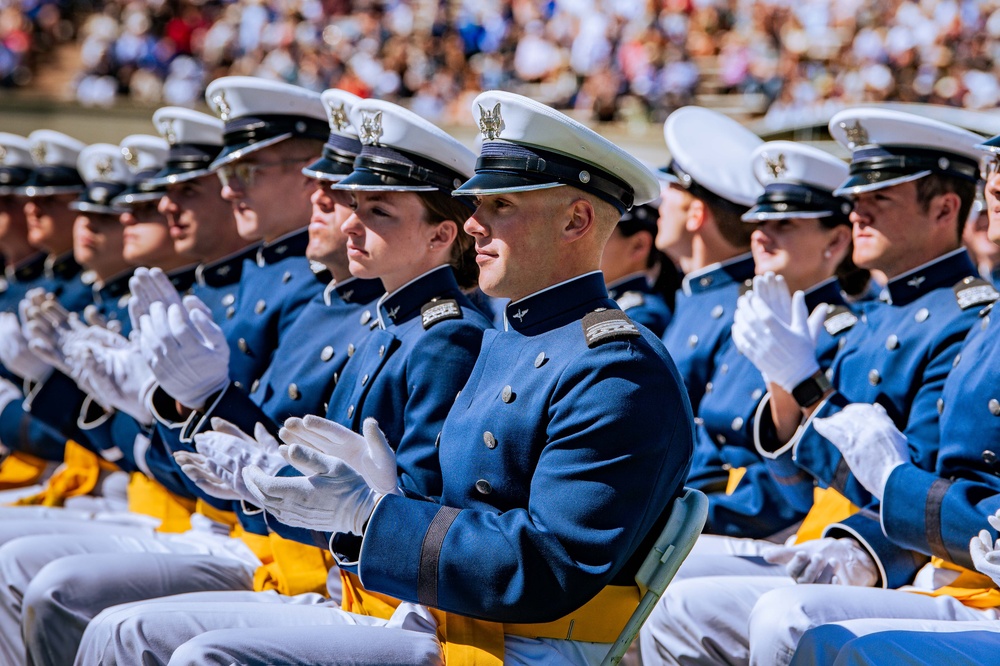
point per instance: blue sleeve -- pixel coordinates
(897, 566)
(600, 486)
(19, 431)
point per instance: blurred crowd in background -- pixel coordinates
(614, 59)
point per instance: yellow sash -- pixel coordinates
(828, 507)
(735, 476)
(467, 641)
(292, 568)
(20, 470)
(78, 475)
(148, 497)
(971, 587)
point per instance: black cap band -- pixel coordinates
(396, 168)
(892, 162)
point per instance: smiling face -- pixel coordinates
(268, 194)
(200, 221)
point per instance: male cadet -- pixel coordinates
(572, 385)
(628, 257)
(206, 561)
(711, 186)
(54, 183)
(912, 180)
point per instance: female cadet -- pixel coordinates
(406, 229)
(803, 235)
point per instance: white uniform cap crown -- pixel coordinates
(787, 161)
(51, 148)
(178, 125)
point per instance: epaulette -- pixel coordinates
(630, 299)
(973, 291)
(746, 286)
(839, 319)
(439, 310)
(605, 325)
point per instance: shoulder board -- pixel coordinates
(605, 325)
(630, 299)
(439, 310)
(972, 292)
(746, 286)
(839, 319)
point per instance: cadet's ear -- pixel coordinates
(840, 240)
(580, 219)
(944, 209)
(639, 246)
(444, 233)
(696, 215)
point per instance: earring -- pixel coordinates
(432, 246)
(827, 254)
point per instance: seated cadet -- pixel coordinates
(909, 640)
(912, 181)
(802, 233)
(711, 186)
(628, 258)
(54, 183)
(518, 539)
(405, 373)
(985, 253)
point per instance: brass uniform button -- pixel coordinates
(260, 307)
(490, 440)
(327, 353)
(693, 341)
(350, 349)
(350, 411)
(922, 315)
(874, 378)
(243, 346)
(507, 395)
(366, 317)
(994, 406)
(540, 359)
(892, 342)
(293, 392)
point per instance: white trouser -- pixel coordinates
(265, 627)
(781, 616)
(57, 584)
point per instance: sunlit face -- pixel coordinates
(671, 236)
(889, 228)
(50, 222)
(146, 236)
(790, 247)
(387, 235)
(12, 215)
(993, 207)
(327, 240)
(98, 242)
(266, 189)
(196, 215)
(517, 236)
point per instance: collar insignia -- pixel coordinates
(519, 315)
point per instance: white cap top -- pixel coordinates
(714, 151)
(178, 125)
(51, 148)
(103, 163)
(15, 151)
(790, 162)
(234, 97)
(144, 153)
(339, 104)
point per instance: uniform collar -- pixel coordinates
(62, 267)
(557, 305)
(354, 290)
(946, 270)
(633, 282)
(183, 278)
(405, 302)
(27, 270)
(290, 245)
(735, 270)
(827, 291)
(224, 271)
(112, 289)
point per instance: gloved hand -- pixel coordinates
(225, 451)
(783, 351)
(93, 317)
(331, 497)
(985, 553)
(369, 455)
(49, 327)
(148, 286)
(116, 377)
(185, 349)
(15, 353)
(827, 560)
(871, 444)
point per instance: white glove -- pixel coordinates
(223, 453)
(14, 351)
(827, 560)
(148, 286)
(115, 377)
(985, 553)
(48, 328)
(785, 352)
(332, 497)
(369, 455)
(871, 444)
(185, 349)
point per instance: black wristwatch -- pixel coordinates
(811, 390)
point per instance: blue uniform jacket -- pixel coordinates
(69, 282)
(703, 318)
(406, 375)
(724, 433)
(898, 355)
(641, 303)
(303, 372)
(559, 459)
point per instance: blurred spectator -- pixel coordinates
(609, 59)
